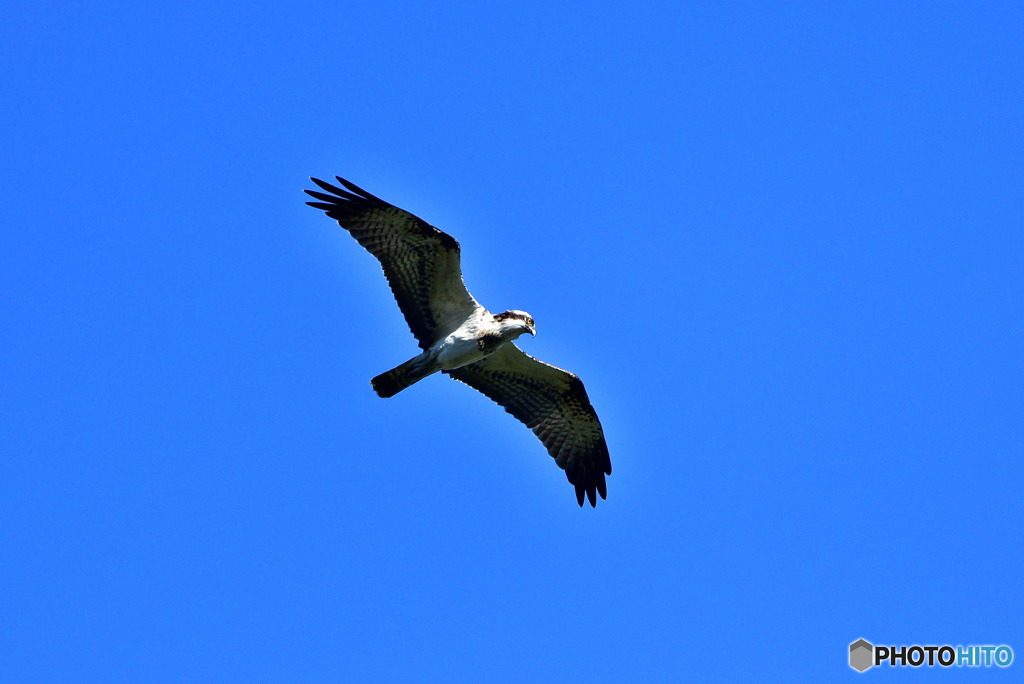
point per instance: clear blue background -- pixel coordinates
(781, 243)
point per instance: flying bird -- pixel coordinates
(462, 339)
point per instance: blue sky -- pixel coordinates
(780, 242)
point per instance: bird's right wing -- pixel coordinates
(553, 403)
(421, 263)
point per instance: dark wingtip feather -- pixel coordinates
(321, 196)
(579, 495)
(352, 187)
(328, 187)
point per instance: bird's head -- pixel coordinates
(515, 323)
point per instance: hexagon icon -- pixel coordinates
(862, 655)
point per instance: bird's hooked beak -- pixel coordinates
(532, 329)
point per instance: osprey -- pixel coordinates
(463, 340)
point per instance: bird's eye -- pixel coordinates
(529, 321)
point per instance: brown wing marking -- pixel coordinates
(554, 404)
(422, 264)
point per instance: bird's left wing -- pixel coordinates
(422, 264)
(553, 403)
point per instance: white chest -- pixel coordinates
(461, 347)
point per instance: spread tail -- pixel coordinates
(397, 379)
